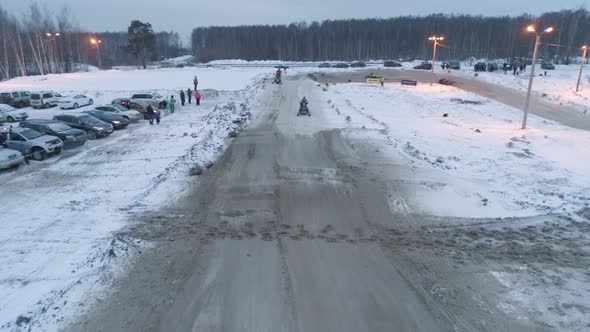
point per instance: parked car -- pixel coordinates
(141, 107)
(324, 65)
(11, 114)
(455, 65)
(121, 110)
(341, 65)
(425, 65)
(7, 99)
(44, 99)
(391, 63)
(547, 66)
(121, 101)
(21, 98)
(480, 66)
(154, 99)
(2, 118)
(30, 142)
(70, 136)
(358, 64)
(73, 102)
(10, 158)
(91, 125)
(491, 67)
(118, 122)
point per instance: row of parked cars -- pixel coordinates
(37, 138)
(43, 99)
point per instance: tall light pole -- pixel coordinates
(97, 42)
(436, 40)
(52, 43)
(527, 103)
(585, 50)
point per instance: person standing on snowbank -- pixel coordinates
(172, 103)
(196, 82)
(189, 93)
(182, 97)
(198, 97)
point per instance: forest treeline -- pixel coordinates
(400, 37)
(41, 42)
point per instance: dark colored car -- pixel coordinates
(455, 65)
(391, 63)
(358, 64)
(491, 67)
(118, 122)
(70, 136)
(324, 65)
(547, 66)
(91, 125)
(141, 107)
(6, 98)
(480, 66)
(341, 65)
(121, 101)
(425, 65)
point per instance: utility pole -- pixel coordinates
(585, 50)
(435, 39)
(527, 103)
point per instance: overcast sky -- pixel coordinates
(183, 15)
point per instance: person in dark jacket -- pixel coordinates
(189, 94)
(151, 114)
(182, 97)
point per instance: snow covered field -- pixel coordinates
(60, 216)
(477, 154)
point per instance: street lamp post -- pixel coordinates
(53, 52)
(97, 42)
(436, 40)
(527, 103)
(585, 50)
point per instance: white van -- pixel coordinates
(44, 99)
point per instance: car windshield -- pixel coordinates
(155, 95)
(30, 134)
(58, 126)
(88, 119)
(35, 96)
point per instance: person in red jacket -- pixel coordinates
(198, 97)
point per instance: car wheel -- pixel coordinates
(57, 151)
(20, 104)
(47, 105)
(75, 105)
(10, 119)
(91, 135)
(38, 154)
(90, 102)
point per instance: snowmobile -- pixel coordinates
(303, 109)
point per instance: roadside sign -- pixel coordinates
(374, 80)
(409, 82)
